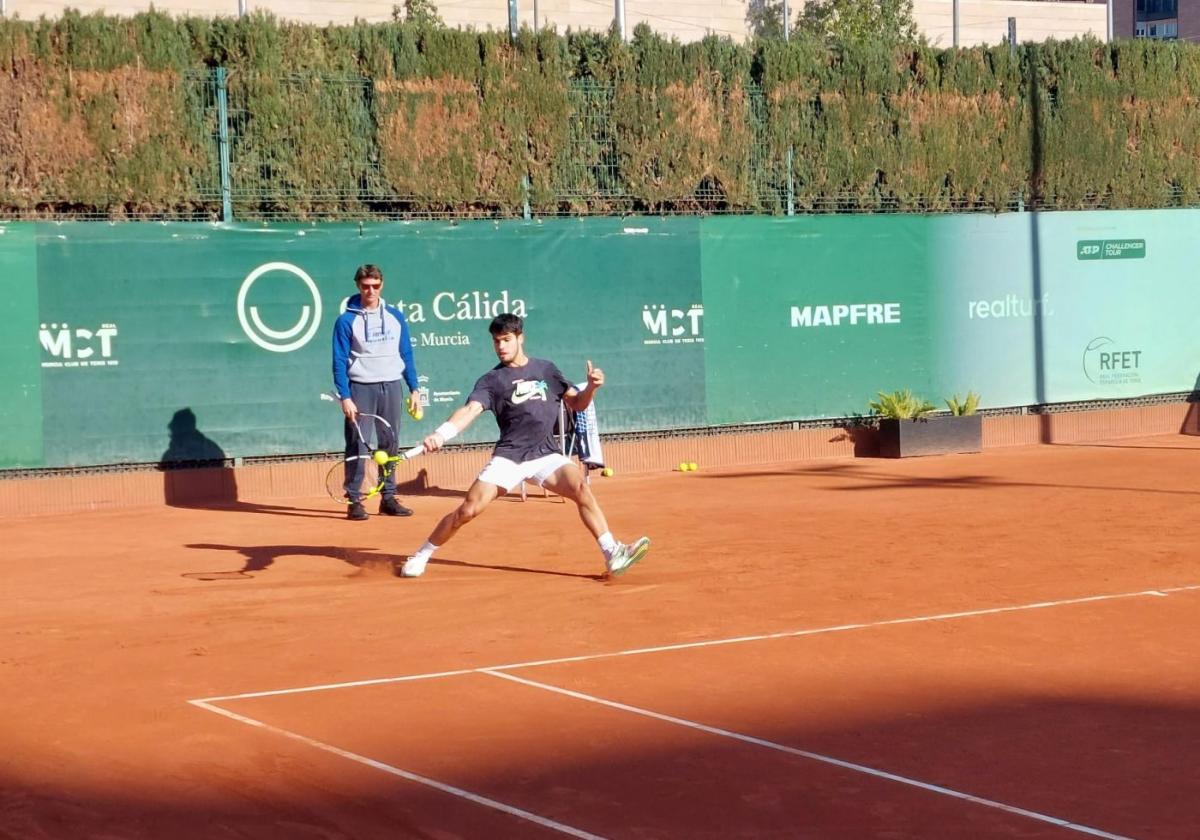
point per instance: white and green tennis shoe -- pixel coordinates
(414, 566)
(625, 555)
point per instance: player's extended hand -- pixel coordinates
(433, 442)
(349, 409)
(595, 376)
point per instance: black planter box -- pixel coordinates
(941, 435)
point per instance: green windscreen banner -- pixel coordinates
(1027, 314)
(169, 342)
(194, 342)
(810, 317)
(20, 374)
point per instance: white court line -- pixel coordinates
(825, 759)
(494, 670)
(710, 643)
(545, 822)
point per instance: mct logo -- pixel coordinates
(1107, 363)
(308, 305)
(78, 347)
(673, 326)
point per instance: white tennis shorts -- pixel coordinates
(508, 474)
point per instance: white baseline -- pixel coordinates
(208, 704)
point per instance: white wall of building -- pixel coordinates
(980, 21)
(986, 21)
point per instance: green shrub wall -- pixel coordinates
(118, 116)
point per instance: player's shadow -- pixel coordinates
(869, 481)
(419, 485)
(1191, 423)
(507, 568)
(258, 558)
(197, 473)
(195, 469)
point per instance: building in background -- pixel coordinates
(1161, 19)
(980, 21)
(1156, 19)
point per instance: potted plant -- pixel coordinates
(908, 426)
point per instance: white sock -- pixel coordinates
(426, 551)
(607, 543)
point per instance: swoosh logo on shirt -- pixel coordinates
(526, 390)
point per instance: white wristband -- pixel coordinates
(446, 431)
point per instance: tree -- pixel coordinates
(764, 18)
(420, 12)
(859, 21)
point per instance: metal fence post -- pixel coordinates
(791, 183)
(223, 144)
(525, 213)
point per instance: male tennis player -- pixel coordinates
(524, 394)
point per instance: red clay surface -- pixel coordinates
(1086, 713)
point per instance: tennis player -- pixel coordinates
(524, 393)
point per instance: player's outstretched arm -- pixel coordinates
(462, 417)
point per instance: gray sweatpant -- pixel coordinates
(387, 400)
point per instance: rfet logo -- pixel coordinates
(673, 326)
(1105, 362)
(299, 291)
(78, 346)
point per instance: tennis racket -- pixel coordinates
(367, 472)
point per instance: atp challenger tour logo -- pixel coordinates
(308, 308)
(1107, 363)
(79, 346)
(852, 314)
(673, 326)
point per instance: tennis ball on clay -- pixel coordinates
(692, 466)
(683, 466)
(381, 457)
(606, 472)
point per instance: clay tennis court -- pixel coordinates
(999, 645)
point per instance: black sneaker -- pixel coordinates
(356, 511)
(390, 506)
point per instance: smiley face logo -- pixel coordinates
(295, 336)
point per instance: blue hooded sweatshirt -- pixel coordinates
(371, 347)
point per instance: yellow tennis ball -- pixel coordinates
(606, 472)
(416, 413)
(692, 466)
(381, 457)
(683, 467)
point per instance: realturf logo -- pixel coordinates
(1009, 306)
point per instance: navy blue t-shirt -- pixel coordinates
(525, 401)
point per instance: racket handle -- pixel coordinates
(419, 449)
